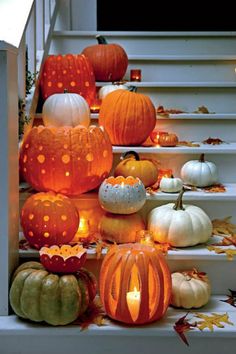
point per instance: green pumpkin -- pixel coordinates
(39, 295)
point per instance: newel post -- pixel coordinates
(9, 179)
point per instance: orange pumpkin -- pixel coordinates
(49, 219)
(135, 283)
(169, 140)
(71, 72)
(131, 165)
(121, 228)
(128, 117)
(65, 160)
(109, 61)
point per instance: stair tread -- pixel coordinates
(190, 84)
(194, 57)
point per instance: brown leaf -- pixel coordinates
(162, 110)
(213, 141)
(188, 143)
(215, 188)
(181, 326)
(93, 315)
(231, 300)
(202, 109)
(24, 245)
(194, 273)
(223, 226)
(214, 319)
(230, 253)
(227, 241)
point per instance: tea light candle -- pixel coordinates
(135, 75)
(95, 107)
(133, 301)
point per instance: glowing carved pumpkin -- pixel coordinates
(71, 72)
(135, 283)
(109, 61)
(128, 117)
(49, 219)
(66, 160)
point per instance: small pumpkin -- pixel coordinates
(121, 228)
(109, 60)
(199, 173)
(190, 289)
(104, 90)
(121, 195)
(39, 295)
(132, 165)
(179, 225)
(168, 140)
(66, 108)
(171, 184)
(128, 117)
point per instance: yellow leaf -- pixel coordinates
(214, 319)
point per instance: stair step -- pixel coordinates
(147, 34)
(157, 84)
(203, 57)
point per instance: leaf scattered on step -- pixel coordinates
(194, 273)
(213, 141)
(214, 319)
(230, 253)
(188, 143)
(24, 245)
(223, 226)
(226, 241)
(216, 188)
(181, 326)
(231, 298)
(163, 111)
(202, 109)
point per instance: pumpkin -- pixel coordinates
(65, 160)
(49, 219)
(66, 109)
(121, 228)
(168, 140)
(121, 195)
(131, 165)
(171, 184)
(135, 284)
(128, 117)
(199, 173)
(179, 225)
(39, 295)
(71, 72)
(104, 90)
(190, 289)
(109, 61)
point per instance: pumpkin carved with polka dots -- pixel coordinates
(65, 160)
(49, 219)
(71, 72)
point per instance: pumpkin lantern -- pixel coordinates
(135, 284)
(132, 165)
(49, 219)
(71, 72)
(109, 60)
(128, 117)
(65, 160)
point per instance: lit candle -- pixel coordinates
(83, 230)
(95, 107)
(135, 75)
(146, 238)
(133, 301)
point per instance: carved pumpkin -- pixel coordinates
(39, 295)
(71, 72)
(104, 90)
(66, 108)
(66, 160)
(171, 184)
(132, 165)
(121, 228)
(109, 61)
(168, 140)
(122, 195)
(128, 117)
(190, 289)
(179, 225)
(135, 284)
(199, 173)
(49, 219)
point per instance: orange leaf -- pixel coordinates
(93, 315)
(181, 326)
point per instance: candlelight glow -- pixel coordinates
(133, 299)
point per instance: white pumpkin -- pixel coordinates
(104, 90)
(199, 173)
(122, 198)
(171, 184)
(190, 289)
(179, 225)
(66, 109)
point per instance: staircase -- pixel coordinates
(179, 70)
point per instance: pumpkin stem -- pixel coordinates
(101, 39)
(179, 202)
(134, 153)
(119, 82)
(65, 91)
(202, 158)
(133, 88)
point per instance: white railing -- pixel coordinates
(22, 24)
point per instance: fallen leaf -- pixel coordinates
(230, 253)
(214, 319)
(181, 326)
(223, 226)
(226, 241)
(216, 188)
(24, 245)
(213, 141)
(188, 143)
(202, 109)
(194, 273)
(163, 111)
(231, 300)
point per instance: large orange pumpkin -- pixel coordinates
(65, 160)
(109, 61)
(49, 219)
(128, 117)
(135, 284)
(71, 72)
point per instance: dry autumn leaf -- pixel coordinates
(214, 319)
(223, 226)
(213, 141)
(231, 298)
(188, 143)
(181, 326)
(230, 253)
(163, 111)
(226, 241)
(216, 188)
